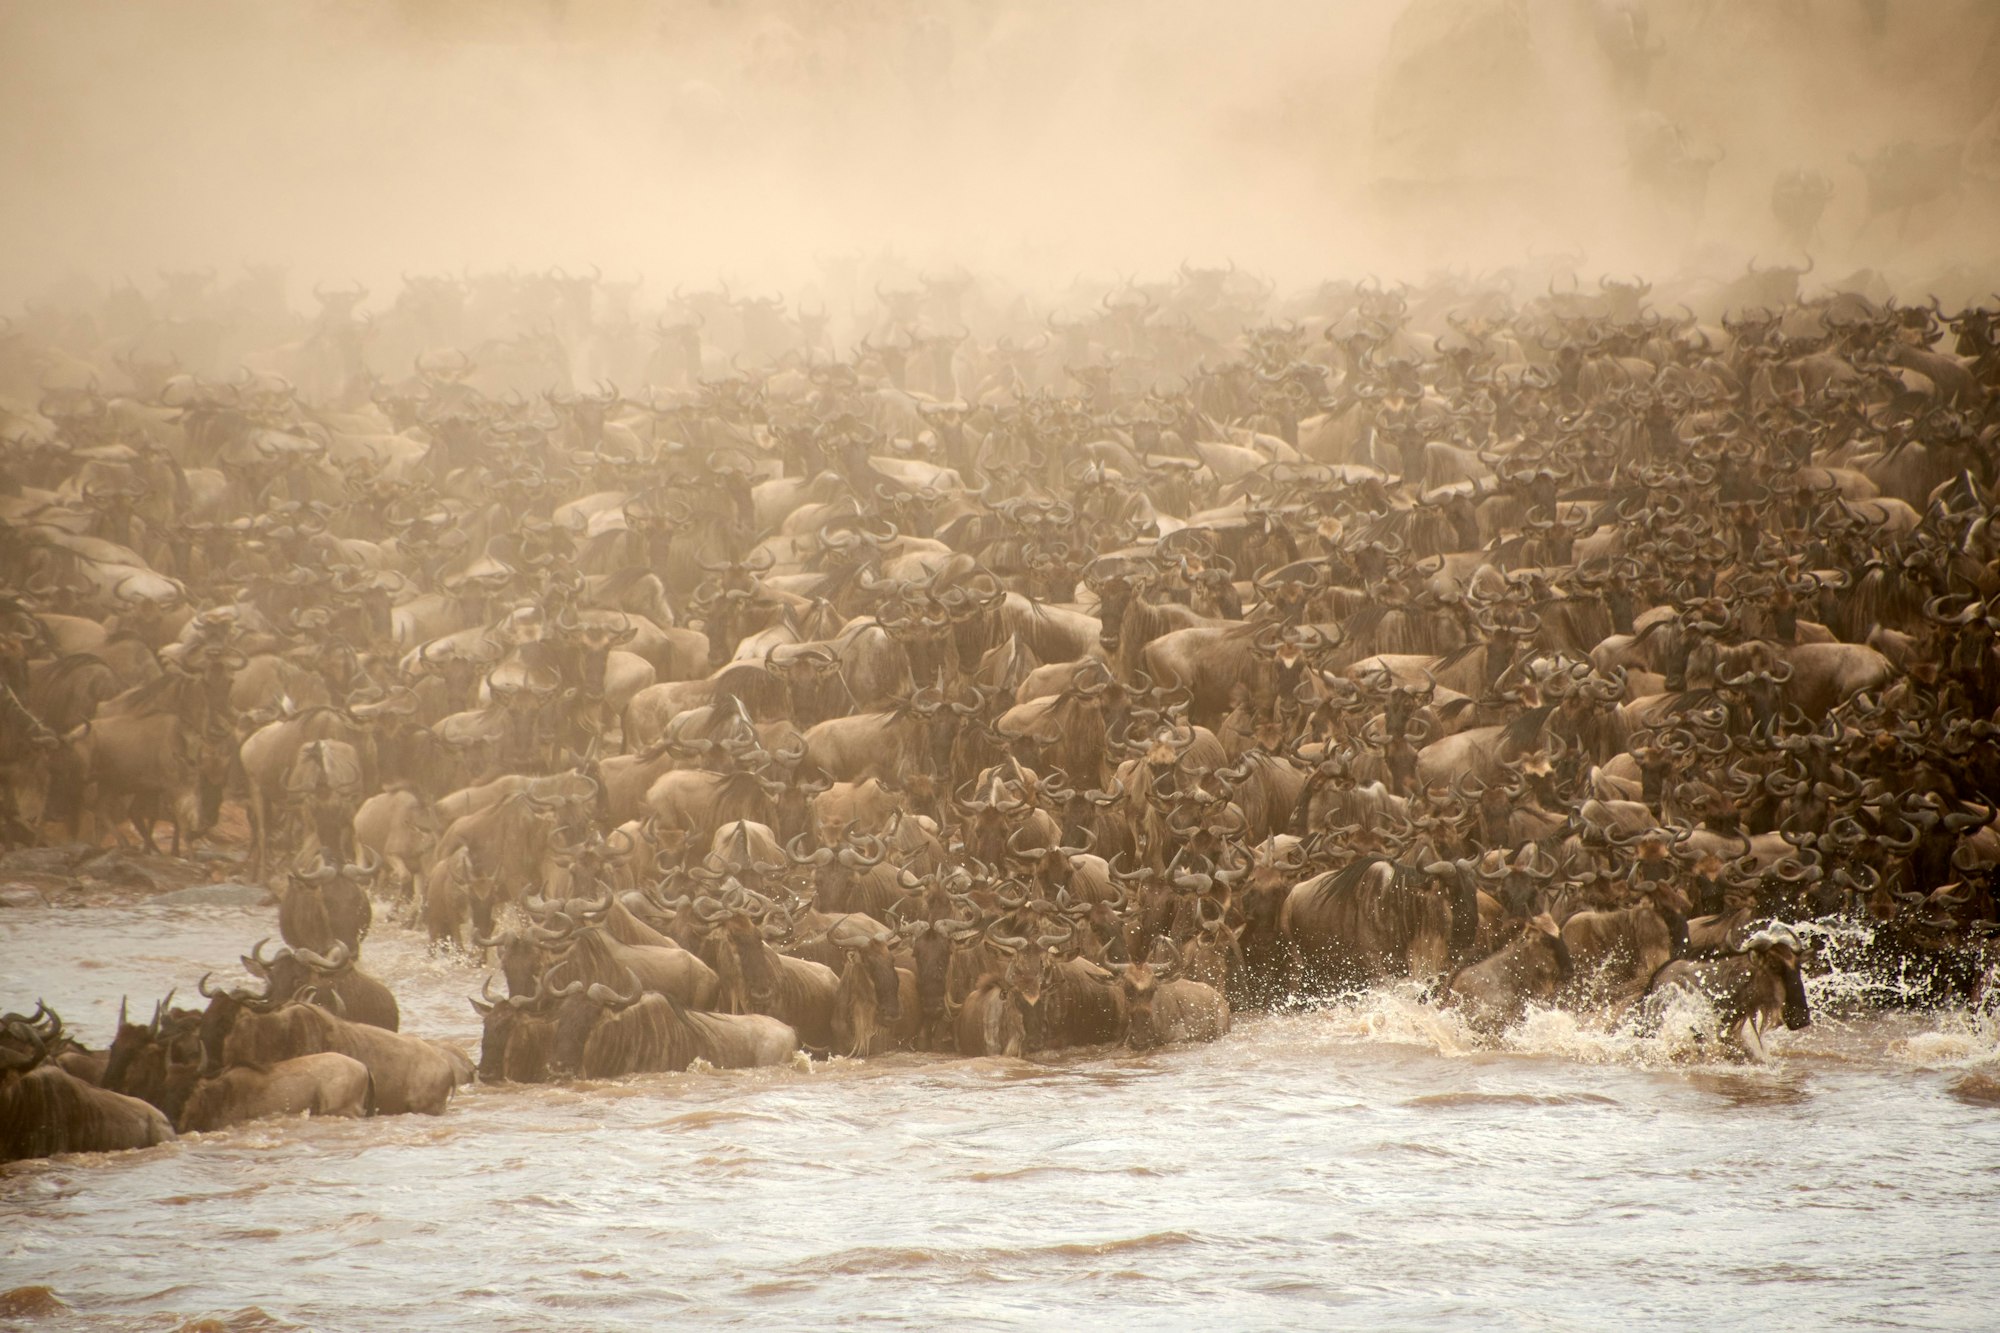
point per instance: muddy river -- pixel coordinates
(1369, 1162)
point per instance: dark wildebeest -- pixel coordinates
(639, 1032)
(326, 907)
(756, 979)
(332, 981)
(45, 1110)
(1749, 990)
(1375, 919)
(993, 1018)
(875, 1009)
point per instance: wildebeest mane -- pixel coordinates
(651, 1036)
(1525, 730)
(1047, 638)
(761, 693)
(295, 1029)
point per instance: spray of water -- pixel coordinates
(1848, 983)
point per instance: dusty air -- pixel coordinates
(1001, 666)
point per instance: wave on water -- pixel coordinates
(871, 1259)
(1961, 1040)
(31, 1302)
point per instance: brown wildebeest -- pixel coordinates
(876, 1008)
(1535, 966)
(1617, 953)
(324, 1084)
(409, 1073)
(1161, 1009)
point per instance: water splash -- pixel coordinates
(1965, 1039)
(1853, 968)
(1676, 1029)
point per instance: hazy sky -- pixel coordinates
(1035, 137)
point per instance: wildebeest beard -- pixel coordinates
(575, 1018)
(752, 960)
(1798, 1013)
(888, 996)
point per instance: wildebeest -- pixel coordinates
(876, 1007)
(1749, 990)
(408, 1073)
(1375, 920)
(157, 1061)
(1615, 954)
(1534, 968)
(591, 954)
(756, 979)
(1163, 1009)
(635, 1032)
(334, 981)
(324, 1084)
(45, 1110)
(993, 1017)
(1265, 652)
(327, 908)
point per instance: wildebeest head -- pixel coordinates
(1673, 905)
(520, 958)
(1778, 949)
(1140, 985)
(502, 1019)
(327, 905)
(128, 1042)
(579, 1010)
(930, 946)
(870, 949)
(740, 926)
(1545, 925)
(589, 644)
(1025, 969)
(219, 1020)
(156, 1061)
(284, 973)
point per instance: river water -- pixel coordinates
(1369, 1162)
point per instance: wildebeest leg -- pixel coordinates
(186, 815)
(258, 817)
(81, 825)
(15, 830)
(117, 812)
(140, 816)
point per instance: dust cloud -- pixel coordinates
(1032, 139)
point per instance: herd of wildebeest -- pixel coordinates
(1021, 678)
